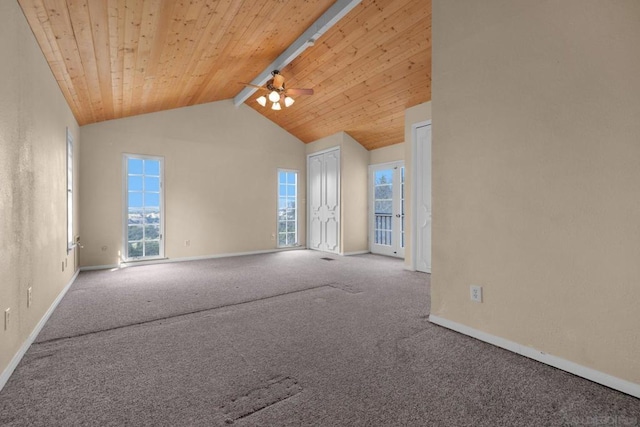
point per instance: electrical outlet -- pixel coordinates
(29, 297)
(273, 236)
(187, 242)
(476, 293)
(7, 316)
(63, 266)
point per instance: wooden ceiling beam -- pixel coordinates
(328, 19)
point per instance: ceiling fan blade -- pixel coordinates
(252, 85)
(294, 91)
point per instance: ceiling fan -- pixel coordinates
(278, 93)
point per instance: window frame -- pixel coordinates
(125, 207)
(297, 208)
(69, 190)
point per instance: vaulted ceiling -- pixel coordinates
(118, 58)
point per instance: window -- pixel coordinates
(287, 208)
(70, 240)
(143, 215)
(402, 203)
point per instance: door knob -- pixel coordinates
(397, 215)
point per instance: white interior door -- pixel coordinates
(332, 201)
(386, 222)
(314, 170)
(423, 198)
(324, 201)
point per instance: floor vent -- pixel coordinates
(328, 259)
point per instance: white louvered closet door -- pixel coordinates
(324, 201)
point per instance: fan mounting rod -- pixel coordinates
(328, 19)
(277, 82)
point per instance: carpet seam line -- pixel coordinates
(54, 340)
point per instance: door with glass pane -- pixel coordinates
(386, 235)
(143, 210)
(287, 208)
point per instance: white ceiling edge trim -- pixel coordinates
(328, 19)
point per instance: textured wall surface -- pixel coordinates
(392, 153)
(220, 180)
(536, 191)
(355, 224)
(33, 212)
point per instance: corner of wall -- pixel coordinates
(535, 176)
(355, 170)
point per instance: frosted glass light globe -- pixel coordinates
(274, 96)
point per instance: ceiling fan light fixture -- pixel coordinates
(277, 92)
(274, 96)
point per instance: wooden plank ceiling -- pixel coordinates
(119, 58)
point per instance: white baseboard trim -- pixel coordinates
(355, 253)
(6, 374)
(225, 255)
(194, 258)
(99, 267)
(610, 381)
(290, 248)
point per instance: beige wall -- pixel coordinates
(416, 114)
(391, 153)
(354, 163)
(220, 180)
(355, 170)
(326, 143)
(535, 175)
(33, 230)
